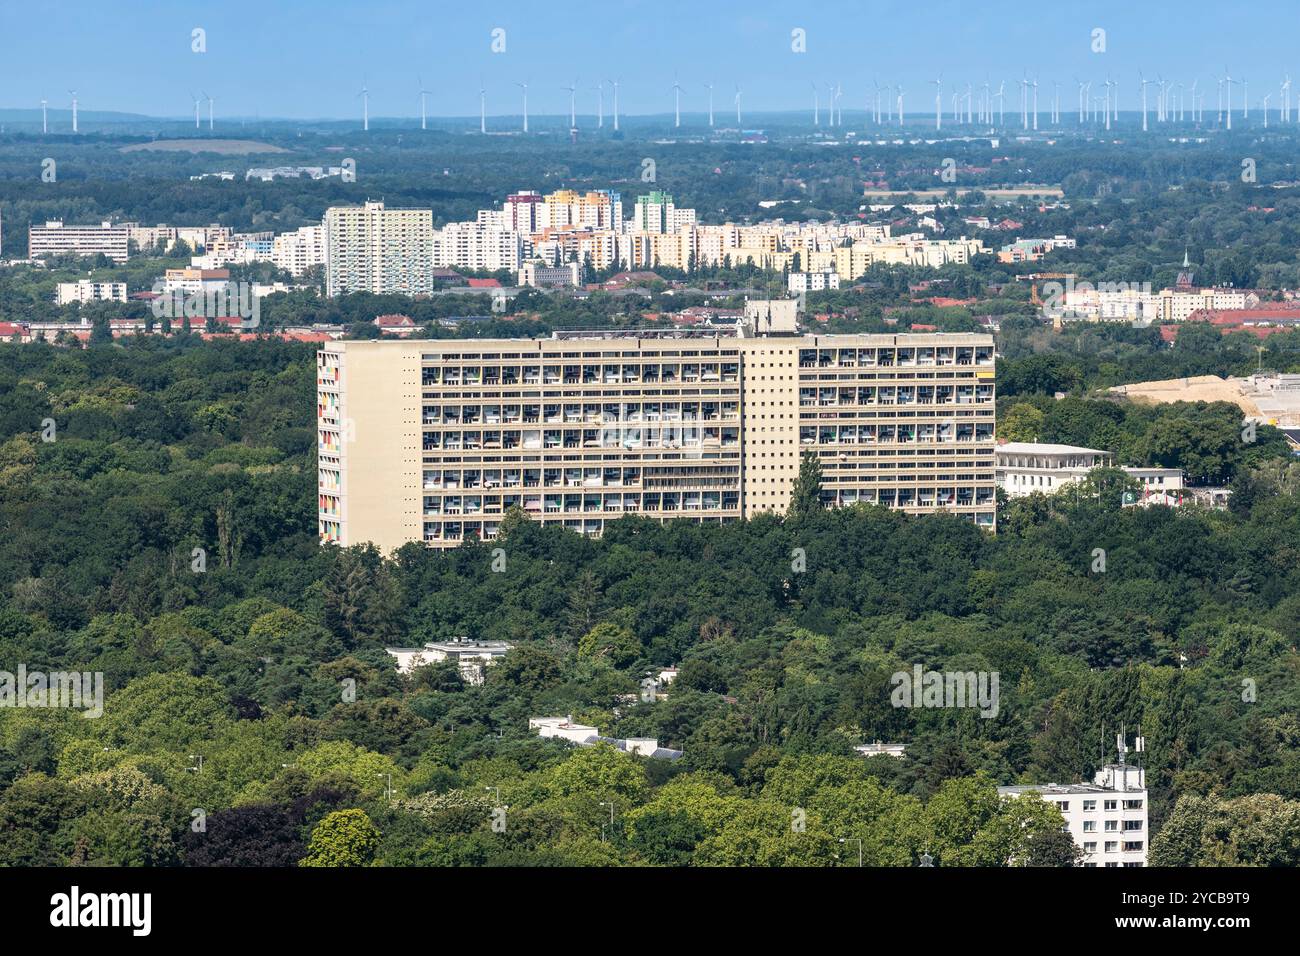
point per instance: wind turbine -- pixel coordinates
(482, 107)
(738, 104)
(74, 109)
(197, 101)
(938, 102)
(615, 85)
(1108, 84)
(600, 104)
(1142, 82)
(1056, 103)
(1227, 78)
(573, 110)
(1195, 117)
(1024, 102)
(365, 106)
(835, 103)
(1284, 104)
(1265, 106)
(986, 105)
(901, 93)
(817, 105)
(45, 126)
(524, 87)
(677, 114)
(1220, 98)
(210, 102)
(1245, 99)
(1002, 102)
(709, 87)
(423, 93)
(1035, 86)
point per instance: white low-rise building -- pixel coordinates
(471, 657)
(879, 749)
(1026, 468)
(585, 736)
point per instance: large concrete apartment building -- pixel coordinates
(432, 440)
(374, 249)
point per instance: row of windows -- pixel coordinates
(1091, 805)
(686, 372)
(579, 412)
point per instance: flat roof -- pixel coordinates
(1041, 448)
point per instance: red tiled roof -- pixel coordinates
(483, 283)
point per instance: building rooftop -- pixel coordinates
(1043, 448)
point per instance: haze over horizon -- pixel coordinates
(310, 61)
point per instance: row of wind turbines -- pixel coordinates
(885, 103)
(973, 106)
(571, 89)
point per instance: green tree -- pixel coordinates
(805, 497)
(343, 838)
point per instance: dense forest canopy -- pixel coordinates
(245, 658)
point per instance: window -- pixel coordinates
(1090, 847)
(1089, 826)
(1089, 805)
(1112, 846)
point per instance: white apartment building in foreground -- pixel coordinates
(1107, 818)
(434, 440)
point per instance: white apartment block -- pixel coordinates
(538, 275)
(435, 440)
(57, 239)
(1138, 304)
(1026, 468)
(1107, 818)
(813, 281)
(84, 290)
(470, 245)
(147, 238)
(296, 252)
(373, 249)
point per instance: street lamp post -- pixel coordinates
(609, 804)
(847, 839)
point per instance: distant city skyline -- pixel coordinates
(298, 60)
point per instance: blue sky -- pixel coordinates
(309, 58)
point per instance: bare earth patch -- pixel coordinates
(1200, 388)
